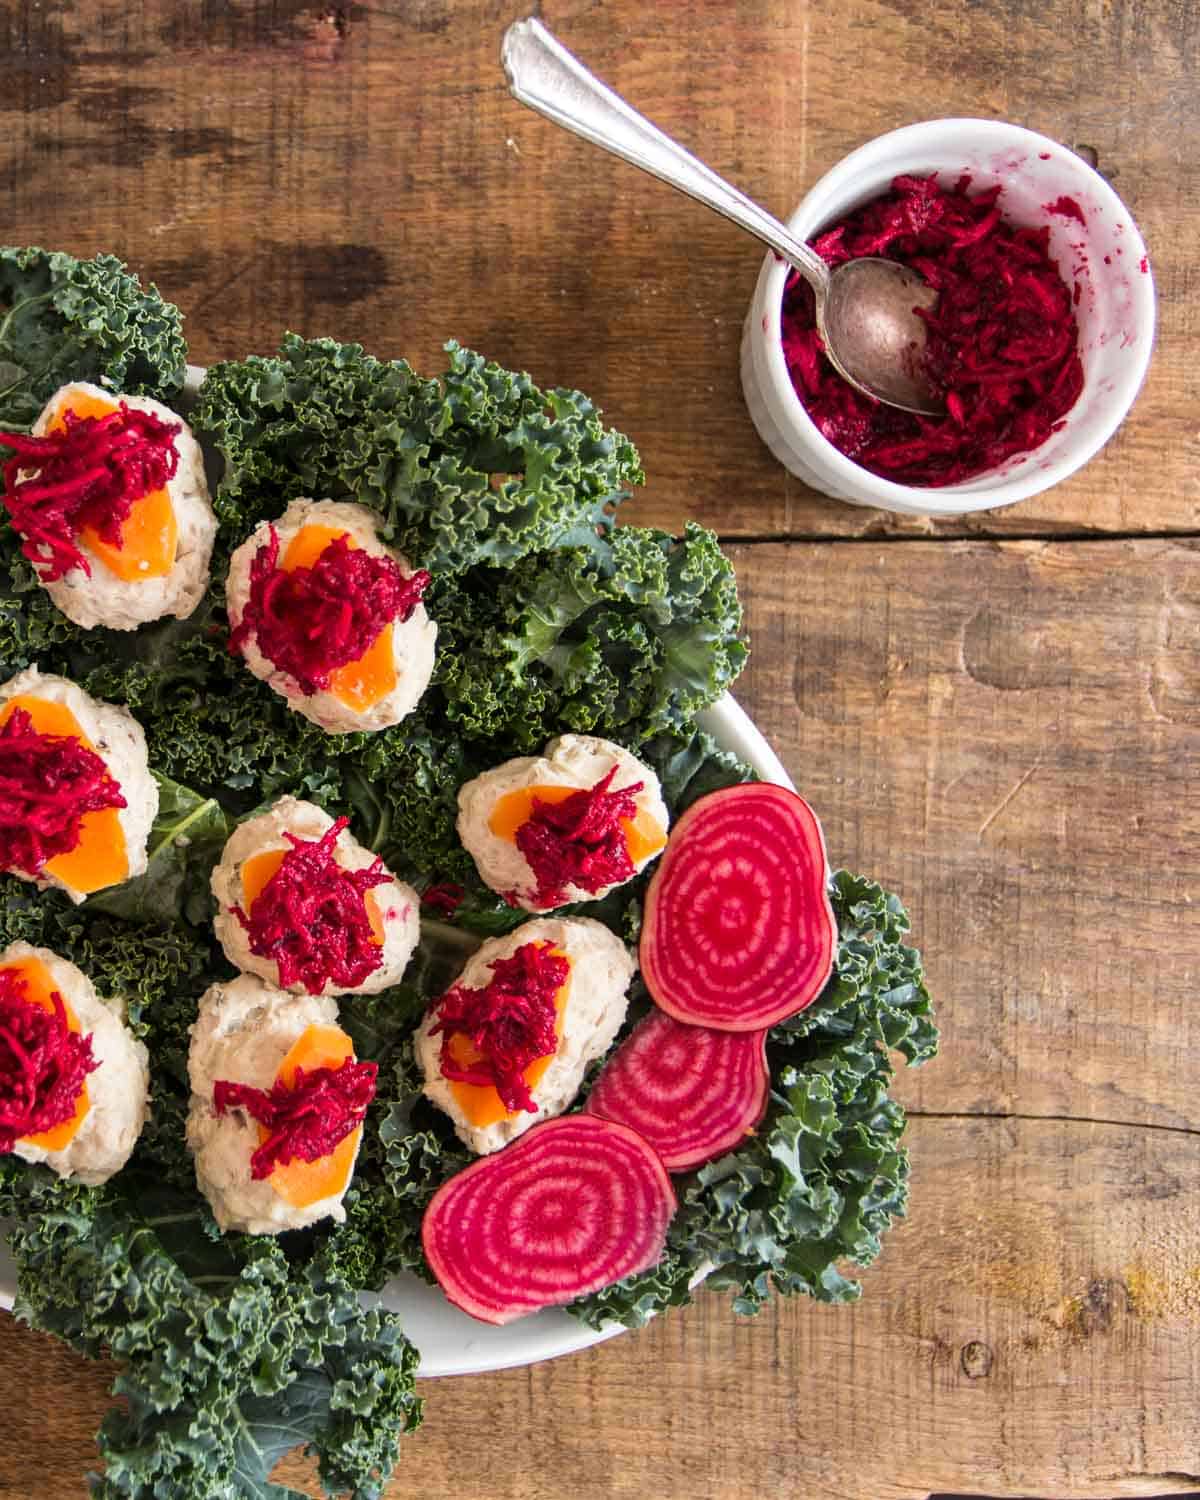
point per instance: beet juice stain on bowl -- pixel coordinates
(1002, 336)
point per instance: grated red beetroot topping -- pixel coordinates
(510, 1021)
(47, 783)
(1002, 338)
(311, 916)
(43, 1063)
(310, 621)
(90, 472)
(308, 1119)
(579, 841)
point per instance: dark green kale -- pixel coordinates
(627, 636)
(229, 1352)
(63, 319)
(478, 466)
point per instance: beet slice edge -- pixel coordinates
(573, 1205)
(738, 931)
(692, 1091)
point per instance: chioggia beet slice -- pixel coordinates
(738, 931)
(574, 1205)
(692, 1092)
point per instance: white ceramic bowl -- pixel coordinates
(1105, 256)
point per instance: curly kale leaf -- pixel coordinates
(228, 1353)
(64, 319)
(628, 636)
(479, 466)
(877, 979)
(690, 765)
(825, 1174)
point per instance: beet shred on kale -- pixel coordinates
(507, 1023)
(311, 917)
(579, 841)
(306, 1119)
(1002, 342)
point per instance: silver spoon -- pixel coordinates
(864, 309)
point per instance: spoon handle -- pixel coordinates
(548, 78)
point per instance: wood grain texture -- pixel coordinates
(361, 170)
(1007, 733)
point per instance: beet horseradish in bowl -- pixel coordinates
(1018, 183)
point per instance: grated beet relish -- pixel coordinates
(310, 621)
(90, 472)
(1002, 343)
(311, 916)
(47, 783)
(307, 1120)
(510, 1022)
(43, 1063)
(579, 841)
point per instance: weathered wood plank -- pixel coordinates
(1008, 735)
(360, 170)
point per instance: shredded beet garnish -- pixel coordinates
(444, 899)
(510, 1022)
(311, 916)
(47, 783)
(43, 1063)
(307, 1120)
(90, 472)
(1002, 342)
(310, 621)
(579, 841)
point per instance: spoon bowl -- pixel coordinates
(872, 336)
(866, 311)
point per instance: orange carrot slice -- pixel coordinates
(481, 1102)
(644, 835)
(302, 1183)
(39, 987)
(309, 542)
(101, 857)
(150, 532)
(363, 683)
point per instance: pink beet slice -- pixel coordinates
(692, 1092)
(738, 931)
(573, 1205)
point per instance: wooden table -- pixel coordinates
(999, 717)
